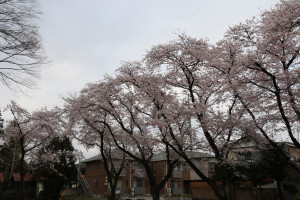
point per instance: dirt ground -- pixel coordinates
(83, 198)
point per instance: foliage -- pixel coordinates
(190, 95)
(274, 164)
(266, 69)
(10, 195)
(9, 157)
(30, 131)
(59, 173)
(123, 112)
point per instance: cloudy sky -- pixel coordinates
(84, 40)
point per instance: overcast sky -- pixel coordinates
(84, 40)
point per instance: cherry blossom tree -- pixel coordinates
(31, 131)
(207, 100)
(84, 126)
(268, 70)
(190, 95)
(123, 108)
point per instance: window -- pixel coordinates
(174, 183)
(178, 167)
(183, 167)
(96, 183)
(127, 183)
(248, 156)
(211, 169)
(137, 165)
(245, 156)
(137, 182)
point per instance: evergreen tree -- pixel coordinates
(274, 164)
(59, 172)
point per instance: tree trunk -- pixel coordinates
(22, 173)
(260, 193)
(155, 194)
(4, 186)
(227, 190)
(279, 190)
(112, 194)
(6, 176)
(6, 182)
(113, 188)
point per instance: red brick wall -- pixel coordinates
(96, 177)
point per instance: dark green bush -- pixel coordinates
(10, 195)
(290, 187)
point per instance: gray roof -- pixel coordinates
(156, 157)
(191, 154)
(197, 154)
(97, 157)
(115, 154)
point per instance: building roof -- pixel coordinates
(156, 157)
(115, 154)
(191, 154)
(289, 144)
(197, 154)
(94, 158)
(249, 141)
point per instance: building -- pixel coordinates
(96, 176)
(133, 178)
(246, 149)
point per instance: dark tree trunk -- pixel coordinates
(279, 190)
(6, 180)
(113, 192)
(209, 181)
(155, 196)
(113, 187)
(4, 186)
(155, 193)
(22, 174)
(227, 190)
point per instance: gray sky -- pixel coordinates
(84, 40)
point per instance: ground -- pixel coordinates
(83, 198)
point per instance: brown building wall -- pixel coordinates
(126, 180)
(96, 177)
(159, 171)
